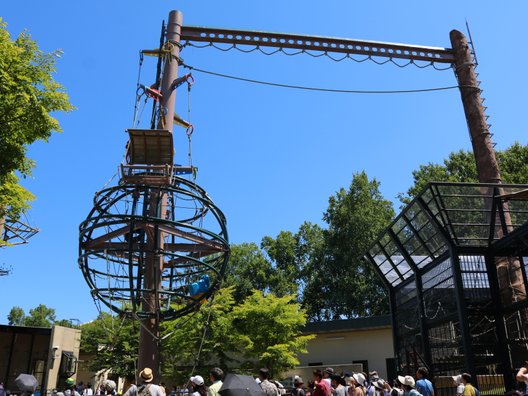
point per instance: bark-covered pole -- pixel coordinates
(149, 333)
(509, 273)
(487, 166)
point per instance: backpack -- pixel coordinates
(144, 390)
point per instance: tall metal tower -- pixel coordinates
(155, 246)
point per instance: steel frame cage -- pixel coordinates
(438, 260)
(124, 247)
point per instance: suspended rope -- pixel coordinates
(320, 89)
(206, 326)
(138, 97)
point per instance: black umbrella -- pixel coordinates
(26, 383)
(240, 385)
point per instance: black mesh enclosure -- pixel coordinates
(455, 262)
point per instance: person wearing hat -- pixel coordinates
(69, 389)
(146, 387)
(327, 375)
(321, 387)
(408, 384)
(457, 379)
(267, 386)
(198, 386)
(298, 389)
(338, 385)
(358, 380)
(109, 387)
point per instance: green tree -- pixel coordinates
(460, 167)
(264, 329)
(271, 328)
(113, 342)
(28, 97)
(201, 339)
(248, 269)
(16, 316)
(40, 316)
(339, 283)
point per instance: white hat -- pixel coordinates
(197, 380)
(457, 379)
(407, 380)
(359, 378)
(109, 385)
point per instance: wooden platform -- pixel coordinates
(150, 146)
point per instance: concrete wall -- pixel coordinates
(63, 339)
(345, 347)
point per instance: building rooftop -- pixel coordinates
(371, 322)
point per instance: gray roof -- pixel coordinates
(372, 322)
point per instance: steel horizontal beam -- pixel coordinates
(317, 43)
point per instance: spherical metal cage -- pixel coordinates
(150, 251)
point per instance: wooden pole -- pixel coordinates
(487, 166)
(149, 346)
(508, 269)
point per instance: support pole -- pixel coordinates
(149, 332)
(170, 70)
(487, 166)
(507, 271)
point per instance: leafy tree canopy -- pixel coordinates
(40, 316)
(113, 342)
(28, 96)
(460, 166)
(339, 283)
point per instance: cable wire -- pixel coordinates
(353, 91)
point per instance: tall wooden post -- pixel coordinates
(508, 269)
(487, 166)
(149, 331)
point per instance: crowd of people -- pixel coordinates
(328, 383)
(323, 383)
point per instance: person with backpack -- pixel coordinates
(423, 385)
(146, 387)
(298, 384)
(408, 384)
(469, 389)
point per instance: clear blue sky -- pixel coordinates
(269, 157)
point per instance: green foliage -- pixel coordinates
(270, 327)
(461, 167)
(40, 316)
(16, 317)
(113, 342)
(184, 336)
(339, 283)
(14, 199)
(248, 269)
(263, 330)
(28, 96)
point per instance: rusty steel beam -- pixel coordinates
(317, 43)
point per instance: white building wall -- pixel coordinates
(343, 348)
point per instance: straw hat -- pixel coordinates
(146, 375)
